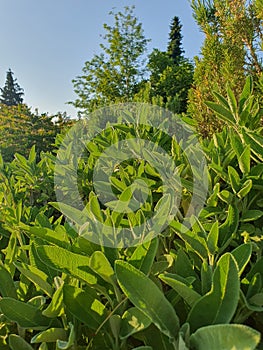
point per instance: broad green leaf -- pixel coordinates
(143, 348)
(25, 315)
(84, 306)
(181, 286)
(232, 102)
(36, 276)
(212, 238)
(67, 262)
(155, 339)
(225, 337)
(245, 189)
(218, 305)
(242, 255)
(7, 286)
(50, 335)
(246, 93)
(64, 345)
(54, 237)
(147, 297)
(71, 213)
(17, 343)
(234, 179)
(222, 112)
(206, 277)
(195, 242)
(133, 321)
(255, 141)
(229, 227)
(55, 307)
(251, 215)
(244, 160)
(226, 196)
(100, 264)
(144, 255)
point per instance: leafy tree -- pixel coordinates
(174, 49)
(11, 93)
(115, 74)
(229, 53)
(171, 74)
(20, 129)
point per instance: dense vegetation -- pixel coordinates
(198, 284)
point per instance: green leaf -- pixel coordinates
(245, 189)
(17, 343)
(222, 112)
(251, 215)
(234, 179)
(7, 286)
(50, 335)
(255, 141)
(229, 227)
(55, 307)
(36, 276)
(54, 237)
(195, 242)
(133, 321)
(232, 102)
(225, 337)
(244, 160)
(67, 262)
(218, 305)
(181, 286)
(25, 315)
(100, 264)
(144, 255)
(212, 238)
(226, 196)
(64, 345)
(84, 306)
(242, 256)
(147, 297)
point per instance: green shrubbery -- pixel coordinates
(198, 288)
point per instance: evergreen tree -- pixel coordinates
(171, 74)
(11, 93)
(115, 74)
(229, 53)
(174, 49)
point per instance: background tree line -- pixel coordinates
(124, 71)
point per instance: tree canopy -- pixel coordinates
(11, 93)
(114, 75)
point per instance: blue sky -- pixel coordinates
(46, 42)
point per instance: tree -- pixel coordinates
(11, 93)
(20, 129)
(115, 74)
(174, 49)
(170, 74)
(229, 53)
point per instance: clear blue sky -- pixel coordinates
(46, 42)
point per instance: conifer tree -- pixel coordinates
(11, 93)
(174, 49)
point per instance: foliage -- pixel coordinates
(230, 52)
(114, 75)
(174, 48)
(170, 75)
(21, 129)
(185, 289)
(11, 93)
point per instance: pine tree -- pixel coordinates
(11, 93)
(174, 49)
